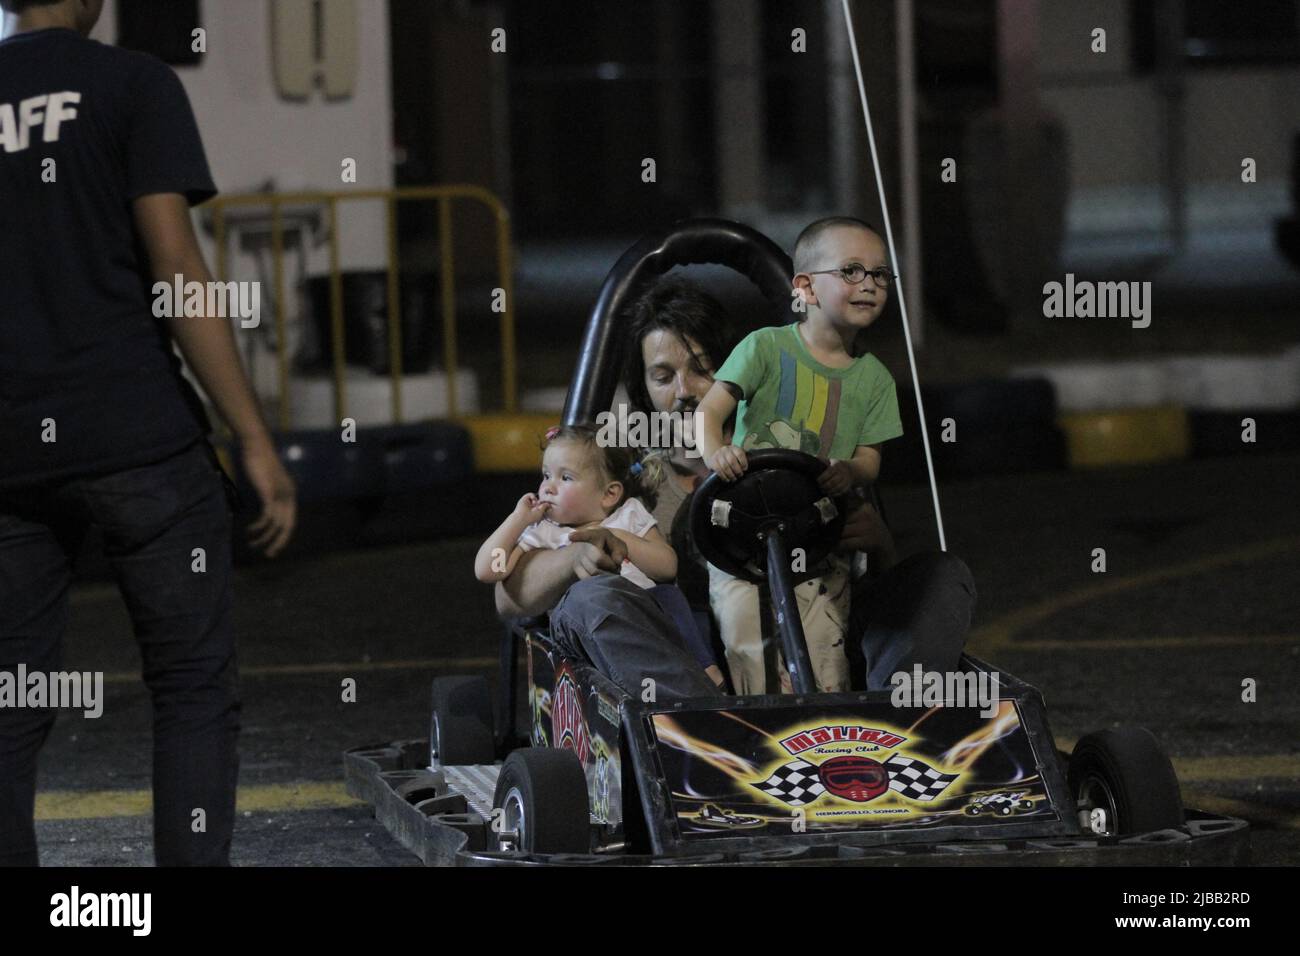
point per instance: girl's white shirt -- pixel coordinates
(630, 516)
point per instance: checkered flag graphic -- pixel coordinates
(795, 783)
(915, 779)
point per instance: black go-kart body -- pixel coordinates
(965, 770)
(819, 779)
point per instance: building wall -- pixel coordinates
(253, 135)
(1114, 123)
(256, 138)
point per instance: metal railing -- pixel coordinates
(443, 195)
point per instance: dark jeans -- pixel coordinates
(695, 637)
(627, 636)
(919, 611)
(152, 519)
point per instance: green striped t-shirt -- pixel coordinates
(793, 401)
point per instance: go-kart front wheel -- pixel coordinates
(540, 804)
(1124, 783)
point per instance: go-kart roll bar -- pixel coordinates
(788, 622)
(687, 242)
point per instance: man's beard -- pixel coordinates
(686, 460)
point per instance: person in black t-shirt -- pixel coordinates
(100, 159)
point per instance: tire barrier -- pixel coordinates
(390, 484)
(1234, 383)
(1001, 427)
(1127, 437)
(1103, 386)
(504, 442)
(1219, 382)
(417, 457)
(1129, 412)
(326, 468)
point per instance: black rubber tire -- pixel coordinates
(325, 469)
(989, 403)
(553, 793)
(1005, 810)
(460, 725)
(980, 450)
(1138, 773)
(426, 455)
(463, 696)
(456, 741)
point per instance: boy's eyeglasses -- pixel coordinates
(856, 272)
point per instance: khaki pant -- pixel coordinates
(755, 664)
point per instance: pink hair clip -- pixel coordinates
(552, 432)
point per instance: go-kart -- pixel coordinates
(608, 776)
(1004, 804)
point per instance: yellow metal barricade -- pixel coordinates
(444, 196)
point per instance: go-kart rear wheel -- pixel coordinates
(460, 725)
(542, 797)
(1127, 775)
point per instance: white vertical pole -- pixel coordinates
(893, 255)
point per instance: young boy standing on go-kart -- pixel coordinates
(802, 387)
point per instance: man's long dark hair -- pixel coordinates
(680, 307)
(18, 6)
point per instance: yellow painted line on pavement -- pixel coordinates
(1242, 767)
(1000, 633)
(1239, 767)
(1254, 812)
(339, 667)
(100, 804)
(270, 798)
(1130, 643)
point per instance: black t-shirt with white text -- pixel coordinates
(86, 129)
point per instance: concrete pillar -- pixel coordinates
(672, 103)
(738, 108)
(853, 182)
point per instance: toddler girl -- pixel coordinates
(588, 492)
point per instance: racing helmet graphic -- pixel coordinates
(854, 778)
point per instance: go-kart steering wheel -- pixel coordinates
(774, 524)
(732, 520)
